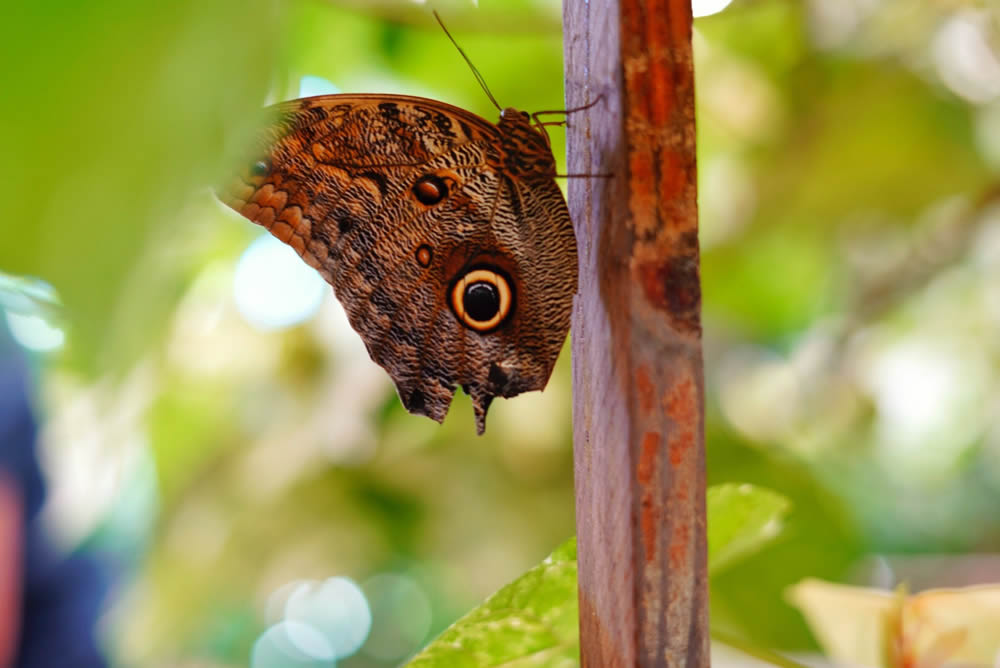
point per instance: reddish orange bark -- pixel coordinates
(638, 386)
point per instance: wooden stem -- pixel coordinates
(637, 365)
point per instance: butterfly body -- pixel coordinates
(444, 236)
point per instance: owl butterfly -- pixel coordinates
(445, 237)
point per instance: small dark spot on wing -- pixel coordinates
(416, 402)
(497, 377)
(345, 221)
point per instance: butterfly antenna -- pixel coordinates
(475, 72)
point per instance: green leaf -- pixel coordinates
(530, 622)
(533, 620)
(741, 518)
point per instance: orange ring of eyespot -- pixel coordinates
(481, 276)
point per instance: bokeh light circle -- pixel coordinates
(401, 616)
(292, 644)
(273, 287)
(337, 608)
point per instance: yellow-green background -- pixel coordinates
(852, 308)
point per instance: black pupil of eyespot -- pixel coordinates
(260, 168)
(482, 301)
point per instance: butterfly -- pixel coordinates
(445, 237)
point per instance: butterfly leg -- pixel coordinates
(565, 112)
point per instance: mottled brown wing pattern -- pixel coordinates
(445, 237)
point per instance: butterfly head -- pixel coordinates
(527, 153)
(512, 115)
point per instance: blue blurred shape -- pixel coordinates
(61, 594)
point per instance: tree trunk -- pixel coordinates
(637, 366)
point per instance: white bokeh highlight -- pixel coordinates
(34, 332)
(708, 7)
(966, 61)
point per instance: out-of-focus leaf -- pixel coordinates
(114, 114)
(817, 540)
(786, 271)
(741, 518)
(530, 622)
(870, 627)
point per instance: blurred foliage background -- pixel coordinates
(214, 427)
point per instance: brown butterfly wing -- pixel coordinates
(394, 200)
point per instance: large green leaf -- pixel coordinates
(533, 620)
(530, 622)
